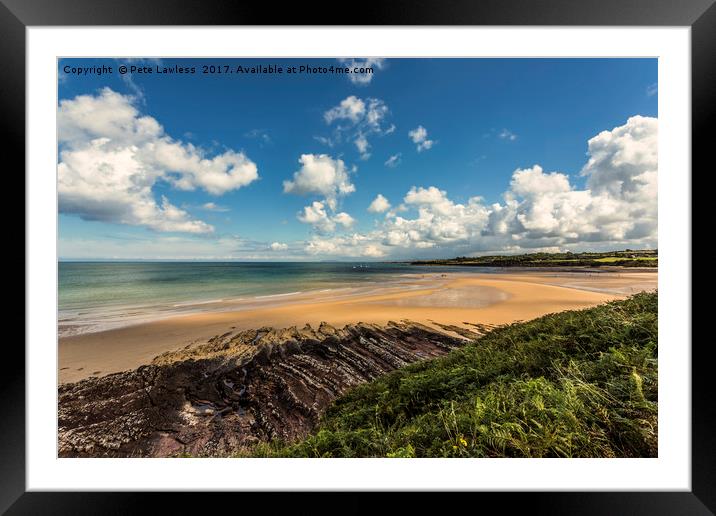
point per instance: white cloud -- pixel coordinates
(355, 245)
(351, 108)
(372, 251)
(362, 79)
(419, 135)
(548, 207)
(361, 119)
(318, 216)
(362, 145)
(278, 246)
(107, 184)
(532, 182)
(343, 219)
(111, 157)
(107, 115)
(187, 169)
(320, 174)
(439, 220)
(430, 197)
(379, 205)
(623, 161)
(323, 247)
(652, 89)
(393, 161)
(375, 115)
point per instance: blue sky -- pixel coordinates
(487, 119)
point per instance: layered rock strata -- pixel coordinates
(237, 389)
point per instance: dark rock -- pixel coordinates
(236, 389)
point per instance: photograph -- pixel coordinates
(357, 257)
(440, 248)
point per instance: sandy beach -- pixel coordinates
(447, 298)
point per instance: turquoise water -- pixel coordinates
(99, 295)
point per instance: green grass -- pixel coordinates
(618, 259)
(626, 258)
(572, 384)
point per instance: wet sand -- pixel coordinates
(452, 298)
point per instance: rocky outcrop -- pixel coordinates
(237, 389)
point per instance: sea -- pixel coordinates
(95, 296)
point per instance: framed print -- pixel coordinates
(273, 252)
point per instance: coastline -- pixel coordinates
(452, 298)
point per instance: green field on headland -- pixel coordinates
(626, 258)
(572, 384)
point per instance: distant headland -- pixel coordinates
(625, 258)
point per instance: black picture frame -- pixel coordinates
(17, 15)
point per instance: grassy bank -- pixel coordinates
(627, 258)
(573, 384)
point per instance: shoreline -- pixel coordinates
(143, 314)
(121, 316)
(447, 298)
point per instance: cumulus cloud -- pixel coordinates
(111, 157)
(107, 115)
(439, 220)
(111, 185)
(362, 79)
(540, 210)
(379, 205)
(187, 169)
(318, 216)
(393, 161)
(355, 245)
(351, 108)
(623, 161)
(278, 246)
(343, 219)
(419, 135)
(320, 174)
(357, 120)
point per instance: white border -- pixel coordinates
(670, 471)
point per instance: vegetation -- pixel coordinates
(572, 384)
(626, 258)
